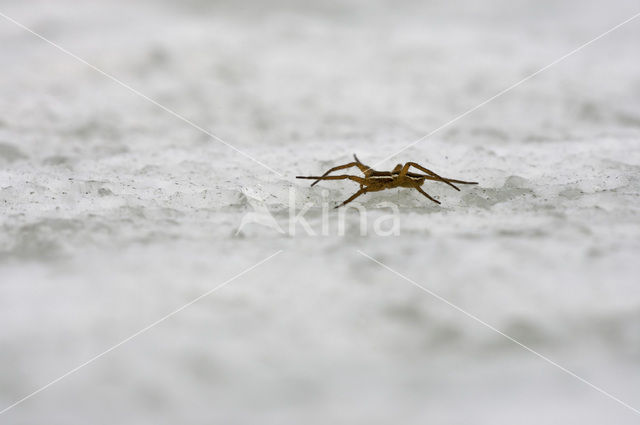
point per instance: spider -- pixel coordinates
(374, 181)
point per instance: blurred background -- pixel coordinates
(115, 213)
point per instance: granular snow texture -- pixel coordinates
(115, 213)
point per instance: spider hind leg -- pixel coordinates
(429, 172)
(419, 189)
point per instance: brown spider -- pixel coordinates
(374, 181)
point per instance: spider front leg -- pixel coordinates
(363, 168)
(356, 179)
(352, 197)
(358, 164)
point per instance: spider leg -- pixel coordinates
(352, 197)
(419, 189)
(357, 179)
(446, 179)
(431, 173)
(459, 181)
(364, 168)
(361, 166)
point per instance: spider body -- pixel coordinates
(374, 181)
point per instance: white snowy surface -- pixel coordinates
(115, 213)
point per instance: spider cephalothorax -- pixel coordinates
(374, 181)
